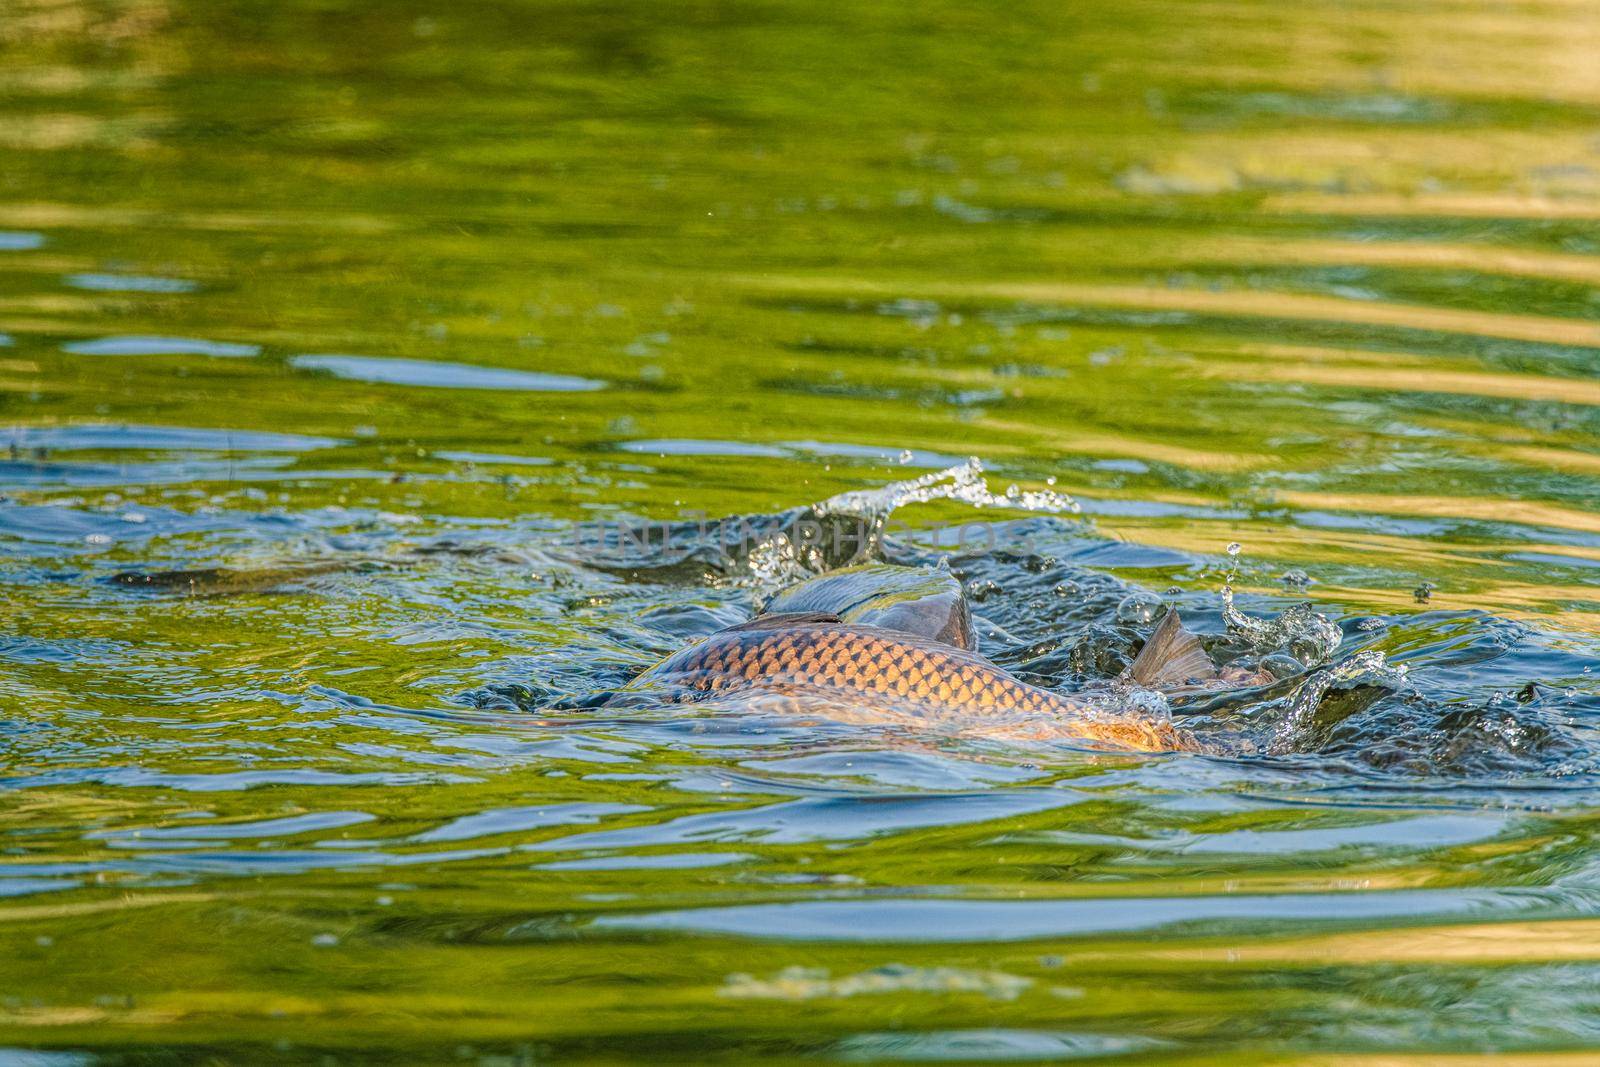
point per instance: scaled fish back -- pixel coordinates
(884, 673)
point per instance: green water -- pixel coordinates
(1322, 279)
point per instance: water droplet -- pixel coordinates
(1138, 607)
(1370, 666)
(1282, 665)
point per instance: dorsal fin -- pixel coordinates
(1171, 657)
(782, 619)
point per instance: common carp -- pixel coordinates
(818, 660)
(917, 600)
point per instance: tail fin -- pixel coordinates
(1171, 657)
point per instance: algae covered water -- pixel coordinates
(381, 385)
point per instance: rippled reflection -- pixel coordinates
(442, 375)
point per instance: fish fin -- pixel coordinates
(1171, 656)
(782, 619)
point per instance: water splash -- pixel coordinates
(1369, 666)
(964, 483)
(778, 562)
(1308, 636)
(1140, 607)
(795, 554)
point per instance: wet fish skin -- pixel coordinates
(859, 664)
(917, 600)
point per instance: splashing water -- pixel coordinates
(786, 557)
(777, 562)
(1303, 633)
(1308, 636)
(964, 483)
(1369, 666)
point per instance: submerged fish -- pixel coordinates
(220, 581)
(818, 660)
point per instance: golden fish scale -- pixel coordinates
(863, 661)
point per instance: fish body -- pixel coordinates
(918, 600)
(904, 675)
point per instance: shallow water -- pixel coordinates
(336, 340)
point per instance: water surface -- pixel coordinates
(331, 333)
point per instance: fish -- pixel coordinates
(223, 581)
(820, 661)
(918, 600)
